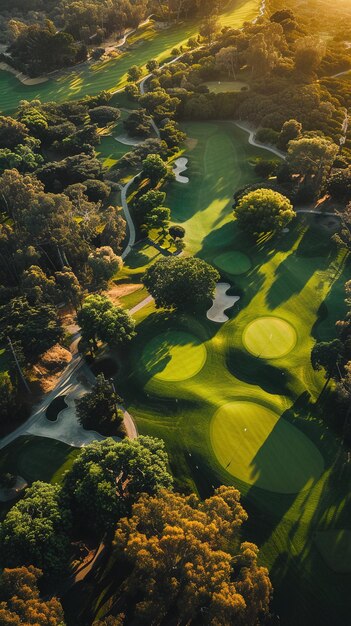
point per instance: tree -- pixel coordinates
(104, 115)
(114, 230)
(147, 202)
(100, 320)
(12, 132)
(21, 602)
(312, 158)
(327, 355)
(8, 399)
(227, 59)
(309, 54)
(138, 124)
(158, 218)
(154, 168)
(344, 234)
(181, 569)
(98, 409)
(176, 231)
(263, 211)
(209, 27)
(134, 73)
(69, 287)
(107, 477)
(152, 65)
(181, 283)
(104, 264)
(35, 327)
(291, 129)
(37, 287)
(339, 184)
(36, 530)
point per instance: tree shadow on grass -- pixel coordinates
(312, 255)
(256, 371)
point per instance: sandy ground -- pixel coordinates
(221, 302)
(118, 291)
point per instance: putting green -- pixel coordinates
(257, 446)
(335, 548)
(233, 262)
(173, 356)
(269, 337)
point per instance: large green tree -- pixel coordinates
(263, 211)
(35, 327)
(100, 320)
(99, 408)
(311, 158)
(36, 530)
(107, 477)
(181, 283)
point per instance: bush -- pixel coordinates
(104, 115)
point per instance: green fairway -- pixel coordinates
(173, 356)
(233, 262)
(219, 156)
(148, 43)
(291, 294)
(224, 86)
(37, 458)
(269, 337)
(254, 445)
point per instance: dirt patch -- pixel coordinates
(191, 143)
(49, 368)
(118, 291)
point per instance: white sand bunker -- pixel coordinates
(129, 141)
(180, 165)
(221, 302)
(66, 428)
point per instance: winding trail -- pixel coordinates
(252, 141)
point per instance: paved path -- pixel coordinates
(252, 141)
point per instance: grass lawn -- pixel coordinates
(224, 86)
(36, 458)
(151, 43)
(243, 410)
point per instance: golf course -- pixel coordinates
(147, 43)
(237, 402)
(234, 397)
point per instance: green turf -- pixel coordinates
(37, 458)
(298, 277)
(224, 86)
(254, 445)
(173, 356)
(335, 548)
(233, 262)
(269, 337)
(150, 43)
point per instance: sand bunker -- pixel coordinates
(180, 165)
(129, 141)
(221, 302)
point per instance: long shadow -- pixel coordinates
(314, 253)
(256, 371)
